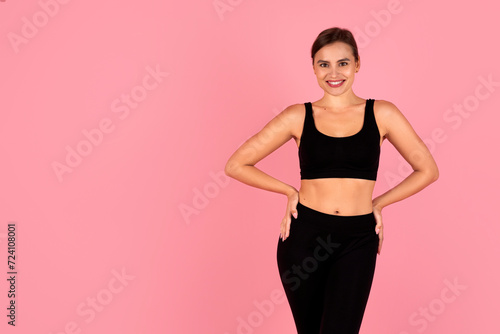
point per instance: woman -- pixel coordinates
(332, 230)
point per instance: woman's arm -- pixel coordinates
(401, 134)
(241, 165)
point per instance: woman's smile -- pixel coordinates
(335, 84)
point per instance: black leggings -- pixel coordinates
(326, 266)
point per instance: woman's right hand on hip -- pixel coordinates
(291, 208)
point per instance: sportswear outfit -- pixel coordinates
(327, 263)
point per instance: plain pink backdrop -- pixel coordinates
(143, 233)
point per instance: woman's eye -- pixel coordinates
(344, 62)
(321, 65)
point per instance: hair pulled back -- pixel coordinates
(332, 35)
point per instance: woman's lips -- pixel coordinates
(335, 84)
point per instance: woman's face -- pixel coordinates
(334, 67)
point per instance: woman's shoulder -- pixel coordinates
(293, 116)
(388, 115)
(294, 112)
(384, 108)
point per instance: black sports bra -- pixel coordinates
(356, 156)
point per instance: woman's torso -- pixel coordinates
(338, 196)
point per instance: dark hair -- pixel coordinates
(332, 35)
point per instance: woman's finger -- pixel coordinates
(286, 231)
(291, 212)
(381, 240)
(283, 228)
(379, 229)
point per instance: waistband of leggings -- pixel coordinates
(325, 221)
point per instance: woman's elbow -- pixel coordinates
(231, 168)
(228, 169)
(434, 174)
(431, 174)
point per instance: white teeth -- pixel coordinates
(335, 82)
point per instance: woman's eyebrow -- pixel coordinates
(338, 61)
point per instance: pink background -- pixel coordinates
(147, 235)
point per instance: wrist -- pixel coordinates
(377, 205)
(290, 191)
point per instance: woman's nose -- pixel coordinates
(333, 72)
(333, 69)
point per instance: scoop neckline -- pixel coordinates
(324, 134)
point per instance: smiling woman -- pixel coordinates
(332, 229)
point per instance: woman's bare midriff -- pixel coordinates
(337, 196)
